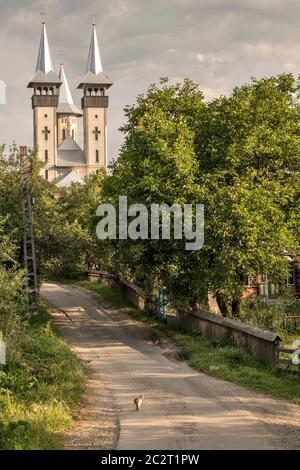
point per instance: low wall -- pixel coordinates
(135, 295)
(261, 344)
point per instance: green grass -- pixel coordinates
(223, 361)
(40, 388)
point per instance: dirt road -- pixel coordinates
(183, 409)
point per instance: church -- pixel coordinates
(56, 118)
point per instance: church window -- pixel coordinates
(46, 156)
(46, 175)
(64, 134)
(73, 133)
(46, 115)
(97, 156)
(96, 116)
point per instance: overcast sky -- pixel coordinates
(217, 43)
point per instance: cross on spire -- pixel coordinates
(96, 132)
(43, 15)
(46, 132)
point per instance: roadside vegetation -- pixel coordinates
(40, 387)
(218, 360)
(42, 381)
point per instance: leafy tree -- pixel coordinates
(157, 164)
(240, 156)
(249, 154)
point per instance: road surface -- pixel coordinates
(183, 408)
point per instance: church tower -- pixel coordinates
(67, 111)
(94, 105)
(56, 117)
(45, 86)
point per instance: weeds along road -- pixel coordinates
(182, 409)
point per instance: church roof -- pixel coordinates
(66, 104)
(69, 154)
(44, 62)
(94, 70)
(94, 64)
(67, 180)
(44, 69)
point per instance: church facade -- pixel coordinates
(56, 118)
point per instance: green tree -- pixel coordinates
(157, 164)
(239, 155)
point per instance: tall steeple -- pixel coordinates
(44, 103)
(94, 70)
(66, 104)
(67, 111)
(44, 62)
(94, 104)
(94, 64)
(44, 69)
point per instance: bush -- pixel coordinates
(270, 316)
(39, 387)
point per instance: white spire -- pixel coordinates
(66, 104)
(44, 62)
(64, 93)
(94, 64)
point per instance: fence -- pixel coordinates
(261, 344)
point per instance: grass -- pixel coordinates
(40, 388)
(218, 360)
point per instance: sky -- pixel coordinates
(218, 43)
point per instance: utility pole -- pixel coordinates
(28, 234)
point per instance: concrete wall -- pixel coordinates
(261, 344)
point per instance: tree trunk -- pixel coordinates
(222, 306)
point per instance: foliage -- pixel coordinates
(39, 387)
(270, 316)
(65, 241)
(239, 156)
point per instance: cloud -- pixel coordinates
(218, 43)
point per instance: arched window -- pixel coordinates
(97, 156)
(64, 134)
